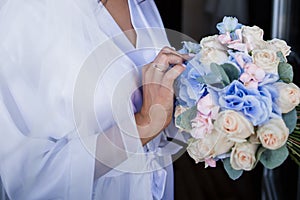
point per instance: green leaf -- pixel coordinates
(231, 71)
(281, 56)
(218, 76)
(212, 80)
(259, 152)
(285, 72)
(209, 79)
(274, 158)
(184, 119)
(290, 119)
(220, 73)
(232, 173)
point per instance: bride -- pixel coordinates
(86, 100)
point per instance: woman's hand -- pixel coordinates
(158, 96)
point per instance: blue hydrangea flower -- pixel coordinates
(256, 107)
(270, 93)
(269, 79)
(189, 90)
(190, 47)
(229, 24)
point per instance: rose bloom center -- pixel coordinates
(244, 158)
(229, 124)
(269, 139)
(292, 95)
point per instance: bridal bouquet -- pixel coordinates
(236, 100)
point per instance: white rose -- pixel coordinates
(234, 125)
(212, 42)
(243, 156)
(266, 59)
(280, 45)
(199, 149)
(210, 146)
(289, 96)
(273, 134)
(253, 37)
(222, 145)
(210, 55)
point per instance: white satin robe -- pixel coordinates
(66, 78)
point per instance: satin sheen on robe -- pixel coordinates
(53, 55)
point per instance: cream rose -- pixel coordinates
(212, 42)
(210, 55)
(273, 134)
(200, 149)
(234, 125)
(223, 144)
(210, 146)
(253, 37)
(280, 45)
(243, 156)
(266, 59)
(289, 96)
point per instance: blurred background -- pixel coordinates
(197, 19)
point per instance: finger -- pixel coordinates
(169, 50)
(152, 77)
(169, 58)
(171, 75)
(156, 72)
(148, 74)
(160, 67)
